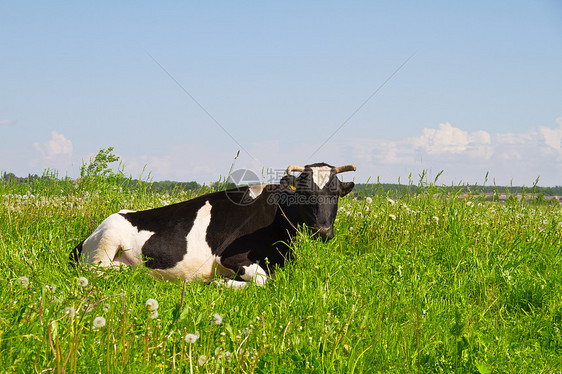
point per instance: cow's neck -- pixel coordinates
(289, 219)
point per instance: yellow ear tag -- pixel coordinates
(292, 187)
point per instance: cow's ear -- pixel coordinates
(288, 184)
(346, 188)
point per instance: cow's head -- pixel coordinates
(312, 197)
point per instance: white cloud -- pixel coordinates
(513, 139)
(56, 154)
(445, 142)
(57, 145)
(467, 156)
(553, 139)
(449, 139)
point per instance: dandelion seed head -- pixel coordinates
(191, 338)
(436, 219)
(151, 304)
(106, 307)
(202, 360)
(217, 319)
(392, 216)
(70, 311)
(99, 322)
(369, 200)
(23, 282)
(153, 314)
(82, 281)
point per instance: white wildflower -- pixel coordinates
(70, 311)
(23, 282)
(191, 338)
(228, 356)
(392, 202)
(392, 216)
(82, 281)
(202, 360)
(369, 200)
(217, 319)
(151, 304)
(469, 203)
(99, 322)
(436, 219)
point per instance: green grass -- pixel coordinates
(424, 284)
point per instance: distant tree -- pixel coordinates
(9, 177)
(98, 166)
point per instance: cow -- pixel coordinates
(237, 236)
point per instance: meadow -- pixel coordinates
(427, 282)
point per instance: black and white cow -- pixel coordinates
(228, 234)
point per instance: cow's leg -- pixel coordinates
(252, 274)
(231, 283)
(255, 274)
(246, 271)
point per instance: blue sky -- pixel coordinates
(481, 90)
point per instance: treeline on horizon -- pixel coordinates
(360, 190)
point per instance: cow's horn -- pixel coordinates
(341, 169)
(294, 168)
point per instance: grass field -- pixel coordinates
(425, 283)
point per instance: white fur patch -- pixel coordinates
(231, 283)
(321, 175)
(198, 262)
(254, 273)
(114, 242)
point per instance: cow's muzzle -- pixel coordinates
(324, 233)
